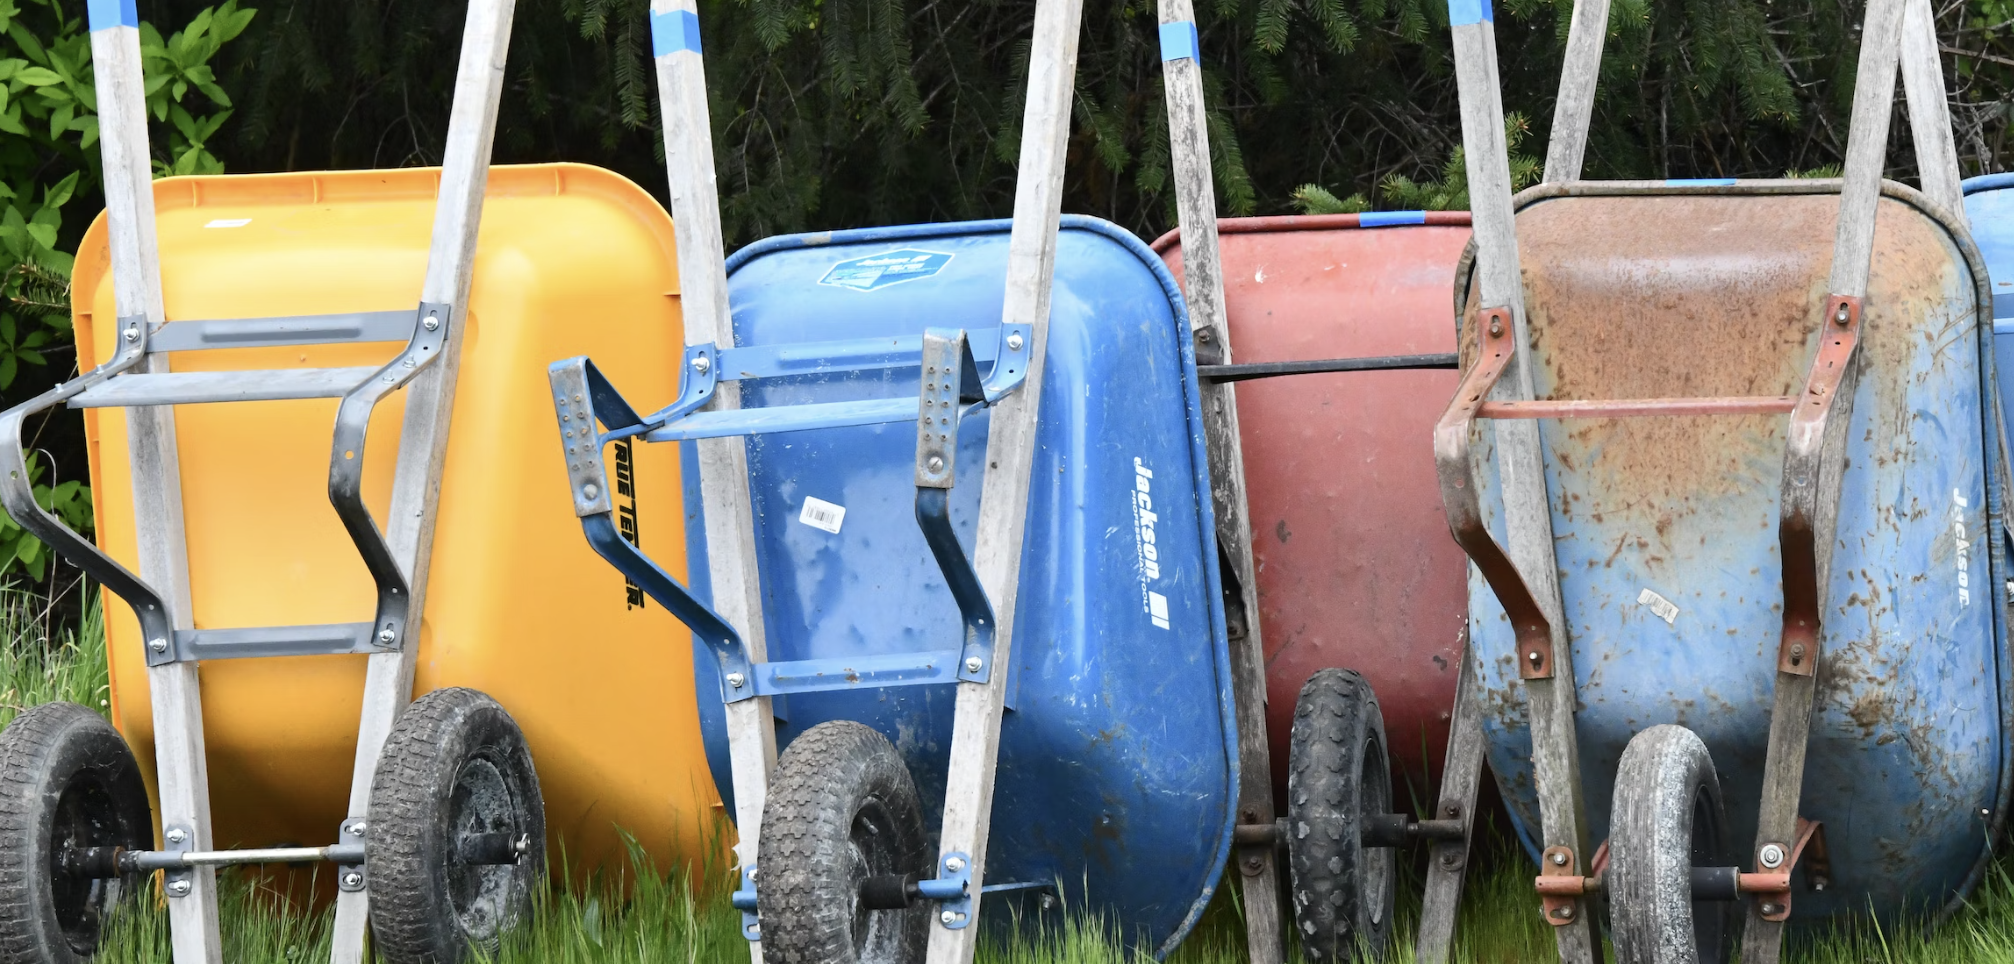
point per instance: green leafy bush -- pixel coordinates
(48, 127)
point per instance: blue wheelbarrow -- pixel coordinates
(1118, 763)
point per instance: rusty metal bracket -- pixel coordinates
(1773, 885)
(1803, 473)
(1496, 342)
(1560, 885)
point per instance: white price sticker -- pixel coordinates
(1663, 608)
(820, 514)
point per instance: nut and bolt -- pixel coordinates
(356, 829)
(178, 888)
(973, 663)
(948, 918)
(386, 636)
(433, 322)
(1772, 856)
(1534, 657)
(935, 465)
(1768, 909)
(736, 679)
(1496, 327)
(132, 333)
(1559, 860)
(1014, 342)
(590, 491)
(353, 879)
(1796, 653)
(954, 864)
(1844, 316)
(158, 645)
(1562, 913)
(177, 835)
(701, 364)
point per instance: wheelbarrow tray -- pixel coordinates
(1348, 538)
(572, 259)
(1666, 528)
(1118, 762)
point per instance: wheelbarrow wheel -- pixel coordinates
(1338, 774)
(454, 848)
(1668, 818)
(842, 814)
(67, 782)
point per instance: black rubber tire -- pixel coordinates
(842, 807)
(1667, 818)
(1338, 773)
(67, 779)
(454, 764)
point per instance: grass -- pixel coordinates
(639, 914)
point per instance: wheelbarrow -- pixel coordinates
(1726, 458)
(224, 325)
(876, 402)
(1362, 604)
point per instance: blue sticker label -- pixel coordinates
(673, 32)
(1461, 13)
(1178, 40)
(106, 14)
(1386, 219)
(882, 270)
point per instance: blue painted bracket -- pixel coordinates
(953, 888)
(592, 414)
(743, 900)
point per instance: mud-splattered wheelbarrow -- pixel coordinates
(1726, 459)
(876, 402)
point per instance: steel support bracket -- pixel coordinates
(351, 877)
(176, 840)
(1496, 343)
(952, 889)
(743, 899)
(1560, 885)
(950, 384)
(1804, 471)
(1772, 885)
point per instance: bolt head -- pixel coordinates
(1496, 328)
(386, 635)
(972, 664)
(736, 679)
(590, 491)
(356, 829)
(1771, 909)
(178, 888)
(158, 645)
(1562, 913)
(702, 364)
(353, 879)
(1559, 860)
(132, 333)
(1014, 342)
(948, 918)
(1845, 314)
(432, 323)
(935, 464)
(954, 864)
(176, 836)
(1534, 657)
(1772, 856)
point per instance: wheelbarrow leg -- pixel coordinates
(423, 433)
(723, 462)
(1447, 861)
(1549, 688)
(1010, 457)
(157, 489)
(1202, 270)
(1814, 461)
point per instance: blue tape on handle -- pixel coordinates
(673, 32)
(1179, 40)
(106, 14)
(1461, 13)
(1386, 219)
(1699, 182)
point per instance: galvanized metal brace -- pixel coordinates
(952, 387)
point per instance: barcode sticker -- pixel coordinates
(228, 223)
(820, 514)
(1664, 608)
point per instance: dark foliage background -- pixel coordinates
(840, 113)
